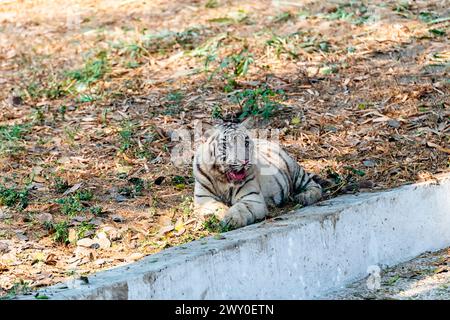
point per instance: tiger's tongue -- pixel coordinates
(236, 176)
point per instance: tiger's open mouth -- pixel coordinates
(236, 175)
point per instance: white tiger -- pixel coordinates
(237, 178)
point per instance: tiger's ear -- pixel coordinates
(248, 123)
(203, 130)
(208, 130)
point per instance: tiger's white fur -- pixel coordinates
(237, 178)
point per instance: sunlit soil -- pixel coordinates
(91, 94)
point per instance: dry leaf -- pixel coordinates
(438, 147)
(73, 189)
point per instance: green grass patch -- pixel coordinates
(93, 70)
(12, 138)
(96, 210)
(126, 136)
(73, 205)
(83, 229)
(134, 188)
(437, 32)
(211, 4)
(346, 180)
(60, 231)
(259, 102)
(173, 106)
(55, 89)
(283, 17)
(392, 280)
(60, 185)
(85, 98)
(234, 17)
(70, 206)
(128, 141)
(19, 288)
(208, 49)
(13, 198)
(212, 224)
(84, 195)
(216, 112)
(427, 16)
(232, 67)
(329, 69)
(73, 82)
(295, 44)
(355, 13)
(166, 41)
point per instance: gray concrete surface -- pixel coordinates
(426, 277)
(301, 255)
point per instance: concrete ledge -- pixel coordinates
(301, 255)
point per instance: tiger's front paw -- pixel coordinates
(309, 197)
(209, 209)
(236, 218)
(301, 199)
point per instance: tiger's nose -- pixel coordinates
(244, 161)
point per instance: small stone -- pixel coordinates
(44, 217)
(330, 129)
(165, 221)
(180, 232)
(86, 260)
(95, 246)
(21, 236)
(73, 259)
(157, 160)
(104, 243)
(4, 215)
(366, 184)
(4, 248)
(117, 218)
(79, 219)
(166, 229)
(51, 259)
(89, 233)
(133, 244)
(96, 221)
(369, 163)
(84, 279)
(394, 123)
(85, 242)
(102, 235)
(134, 256)
(100, 262)
(81, 252)
(159, 180)
(72, 235)
(112, 233)
(73, 189)
(76, 283)
(120, 198)
(16, 100)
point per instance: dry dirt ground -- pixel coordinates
(426, 277)
(92, 90)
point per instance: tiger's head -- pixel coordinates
(232, 152)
